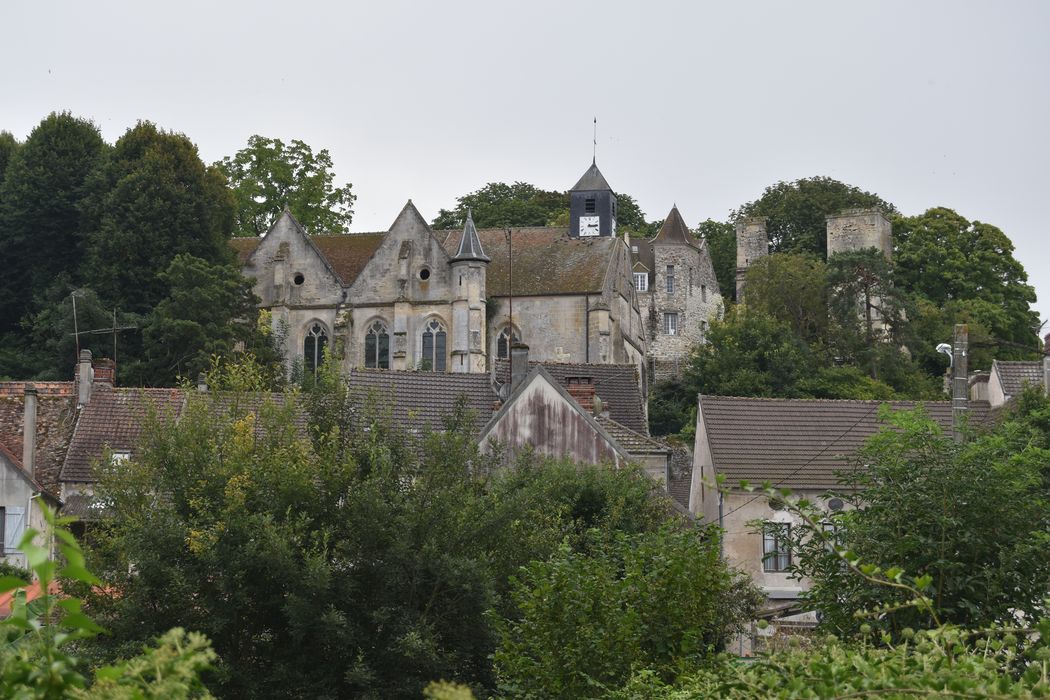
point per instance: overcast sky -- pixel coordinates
(703, 104)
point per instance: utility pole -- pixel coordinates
(960, 379)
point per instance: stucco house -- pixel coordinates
(1008, 379)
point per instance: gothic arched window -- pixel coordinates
(504, 341)
(377, 346)
(434, 342)
(314, 345)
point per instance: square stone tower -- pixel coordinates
(859, 229)
(752, 243)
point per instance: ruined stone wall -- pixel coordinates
(859, 229)
(752, 243)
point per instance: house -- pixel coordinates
(801, 444)
(455, 301)
(1008, 379)
(35, 425)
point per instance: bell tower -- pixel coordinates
(592, 206)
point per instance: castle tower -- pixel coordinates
(752, 243)
(469, 271)
(859, 229)
(592, 206)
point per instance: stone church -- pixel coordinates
(454, 301)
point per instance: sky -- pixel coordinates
(700, 104)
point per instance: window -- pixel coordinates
(634, 249)
(433, 355)
(703, 292)
(641, 281)
(703, 331)
(670, 279)
(377, 346)
(776, 547)
(671, 324)
(504, 341)
(589, 206)
(314, 345)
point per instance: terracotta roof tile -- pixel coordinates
(55, 415)
(348, 253)
(799, 442)
(633, 442)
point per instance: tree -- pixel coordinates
(660, 601)
(967, 520)
(8, 146)
(40, 230)
(791, 288)
(968, 266)
(721, 244)
(749, 354)
(151, 200)
(796, 212)
(500, 204)
(268, 175)
(340, 557)
(209, 309)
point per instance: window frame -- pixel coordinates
(438, 351)
(644, 277)
(317, 337)
(671, 323)
(507, 337)
(776, 547)
(378, 347)
(669, 279)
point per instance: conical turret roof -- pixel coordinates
(592, 180)
(470, 244)
(674, 230)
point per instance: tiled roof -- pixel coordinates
(799, 442)
(82, 506)
(244, 247)
(591, 181)
(616, 385)
(1016, 375)
(420, 400)
(546, 260)
(675, 231)
(348, 253)
(55, 415)
(633, 442)
(113, 419)
(469, 243)
(645, 254)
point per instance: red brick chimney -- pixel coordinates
(582, 389)
(105, 371)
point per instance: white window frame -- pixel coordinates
(671, 323)
(641, 281)
(776, 547)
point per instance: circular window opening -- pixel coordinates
(424, 274)
(298, 279)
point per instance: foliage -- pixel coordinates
(337, 558)
(721, 244)
(672, 408)
(151, 200)
(39, 216)
(661, 600)
(944, 663)
(796, 212)
(37, 658)
(967, 520)
(967, 269)
(805, 308)
(8, 146)
(499, 204)
(268, 175)
(207, 311)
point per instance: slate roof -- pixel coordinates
(420, 400)
(674, 231)
(592, 180)
(799, 443)
(1014, 376)
(113, 419)
(469, 243)
(633, 442)
(616, 385)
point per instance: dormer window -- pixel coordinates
(641, 281)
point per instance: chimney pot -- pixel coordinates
(85, 377)
(29, 430)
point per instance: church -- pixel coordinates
(412, 298)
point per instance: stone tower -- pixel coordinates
(859, 229)
(592, 206)
(469, 271)
(752, 243)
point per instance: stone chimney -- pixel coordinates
(960, 379)
(202, 383)
(582, 389)
(519, 364)
(29, 430)
(85, 378)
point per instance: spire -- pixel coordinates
(470, 244)
(674, 230)
(592, 180)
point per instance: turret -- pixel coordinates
(469, 271)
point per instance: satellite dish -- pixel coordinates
(835, 504)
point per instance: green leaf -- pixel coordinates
(10, 583)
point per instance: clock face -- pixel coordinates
(589, 225)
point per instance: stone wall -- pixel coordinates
(752, 243)
(859, 229)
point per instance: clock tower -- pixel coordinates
(592, 206)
